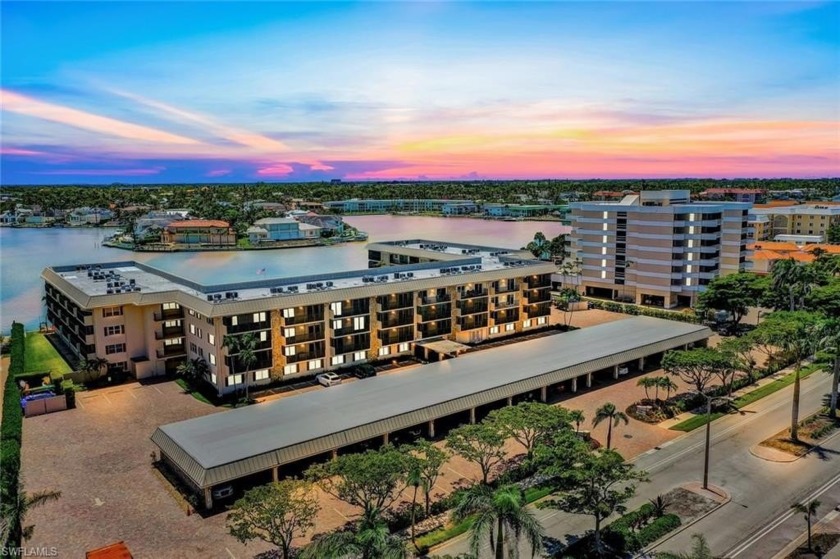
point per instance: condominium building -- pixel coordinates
(356, 205)
(147, 321)
(810, 219)
(657, 247)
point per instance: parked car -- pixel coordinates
(623, 371)
(223, 492)
(328, 379)
(364, 371)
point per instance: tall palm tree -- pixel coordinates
(502, 514)
(243, 349)
(91, 367)
(371, 540)
(699, 550)
(809, 510)
(415, 480)
(794, 280)
(829, 336)
(609, 413)
(665, 383)
(14, 510)
(647, 383)
(577, 417)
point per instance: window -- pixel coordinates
(112, 311)
(264, 336)
(336, 308)
(288, 332)
(115, 348)
(171, 306)
(233, 380)
(211, 338)
(289, 350)
(403, 347)
(383, 351)
(173, 341)
(526, 323)
(114, 330)
(509, 327)
(193, 348)
(359, 323)
(201, 352)
(541, 320)
(262, 374)
(359, 355)
(213, 378)
(192, 329)
(259, 317)
(290, 369)
(336, 324)
(172, 324)
(234, 320)
(337, 360)
(316, 364)
(494, 329)
(200, 333)
(212, 358)
(192, 312)
(288, 313)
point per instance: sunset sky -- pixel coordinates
(139, 92)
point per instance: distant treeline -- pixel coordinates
(190, 195)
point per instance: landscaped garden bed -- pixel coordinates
(822, 542)
(812, 430)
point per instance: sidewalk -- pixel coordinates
(668, 423)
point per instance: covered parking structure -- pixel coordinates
(220, 448)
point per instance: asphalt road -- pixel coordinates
(761, 491)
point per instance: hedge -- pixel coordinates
(643, 311)
(12, 425)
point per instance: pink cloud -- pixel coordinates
(16, 151)
(276, 170)
(218, 173)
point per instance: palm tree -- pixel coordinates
(242, 348)
(647, 383)
(829, 335)
(809, 510)
(415, 480)
(14, 511)
(92, 367)
(371, 540)
(699, 550)
(666, 384)
(193, 370)
(501, 514)
(794, 280)
(577, 417)
(539, 246)
(609, 413)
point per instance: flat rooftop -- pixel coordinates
(134, 277)
(224, 446)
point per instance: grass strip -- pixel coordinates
(41, 357)
(194, 393)
(700, 420)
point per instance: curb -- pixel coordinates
(806, 453)
(644, 552)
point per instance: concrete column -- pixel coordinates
(472, 416)
(334, 454)
(208, 498)
(544, 394)
(588, 380)
(574, 384)
(385, 438)
(685, 347)
(275, 474)
(431, 428)
(641, 363)
(510, 400)
(615, 372)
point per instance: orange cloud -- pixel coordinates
(21, 104)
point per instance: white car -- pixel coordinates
(328, 379)
(623, 371)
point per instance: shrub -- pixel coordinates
(636, 310)
(11, 429)
(656, 529)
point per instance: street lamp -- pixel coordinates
(709, 401)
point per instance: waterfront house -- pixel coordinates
(89, 216)
(281, 229)
(199, 232)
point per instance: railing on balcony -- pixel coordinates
(436, 329)
(472, 307)
(541, 309)
(503, 317)
(166, 333)
(394, 319)
(354, 310)
(472, 293)
(169, 314)
(304, 318)
(508, 287)
(395, 301)
(264, 361)
(472, 322)
(542, 280)
(305, 336)
(172, 351)
(349, 345)
(435, 299)
(505, 304)
(248, 327)
(397, 336)
(439, 313)
(538, 296)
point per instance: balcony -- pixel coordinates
(355, 309)
(397, 336)
(349, 331)
(472, 322)
(442, 312)
(509, 287)
(542, 309)
(313, 351)
(172, 351)
(248, 327)
(350, 345)
(503, 317)
(394, 319)
(540, 295)
(169, 314)
(305, 336)
(435, 299)
(472, 293)
(505, 303)
(303, 318)
(534, 282)
(395, 301)
(435, 329)
(167, 333)
(472, 307)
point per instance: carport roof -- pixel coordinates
(224, 446)
(444, 347)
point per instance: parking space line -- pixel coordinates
(158, 389)
(459, 474)
(106, 398)
(340, 514)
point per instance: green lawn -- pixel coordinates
(41, 357)
(700, 420)
(194, 393)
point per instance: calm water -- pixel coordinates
(25, 252)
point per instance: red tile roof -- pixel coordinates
(198, 223)
(114, 551)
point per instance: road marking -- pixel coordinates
(668, 443)
(781, 519)
(156, 388)
(230, 553)
(340, 514)
(106, 398)
(459, 474)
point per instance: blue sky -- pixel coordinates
(200, 91)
